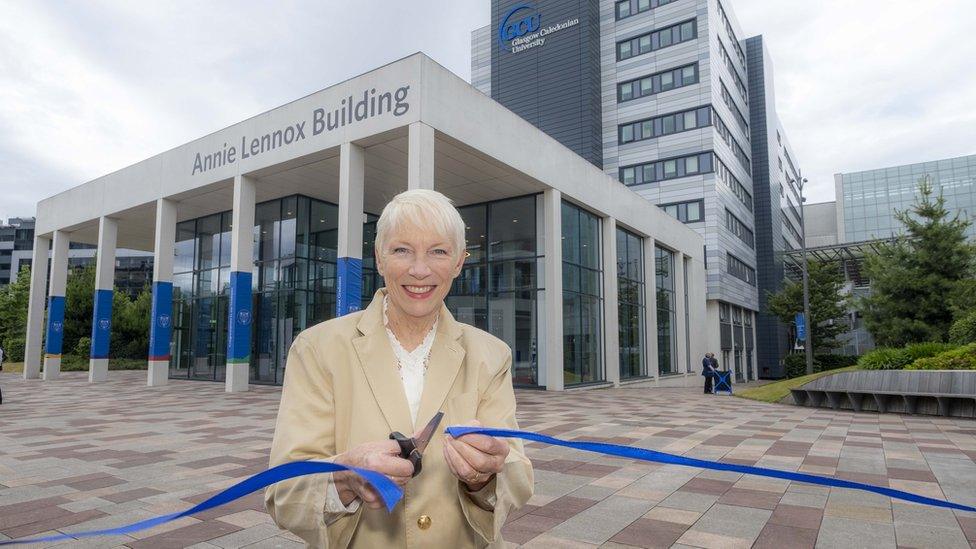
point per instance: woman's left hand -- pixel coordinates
(475, 459)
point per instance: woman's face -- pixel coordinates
(418, 267)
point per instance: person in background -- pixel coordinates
(709, 366)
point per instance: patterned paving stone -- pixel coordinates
(79, 456)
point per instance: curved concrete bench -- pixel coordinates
(941, 392)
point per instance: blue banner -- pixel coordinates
(349, 285)
(161, 330)
(801, 327)
(101, 324)
(239, 318)
(55, 325)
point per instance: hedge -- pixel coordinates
(960, 358)
(884, 358)
(796, 364)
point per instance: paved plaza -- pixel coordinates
(75, 456)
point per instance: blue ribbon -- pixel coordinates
(662, 457)
(391, 493)
(387, 489)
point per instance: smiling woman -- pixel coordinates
(351, 380)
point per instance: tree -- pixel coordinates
(13, 315)
(827, 306)
(79, 306)
(915, 280)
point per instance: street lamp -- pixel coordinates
(808, 344)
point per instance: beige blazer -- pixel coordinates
(342, 389)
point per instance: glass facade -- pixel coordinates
(582, 296)
(498, 288)
(667, 337)
(295, 245)
(870, 198)
(630, 304)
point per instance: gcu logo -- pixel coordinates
(512, 27)
(244, 317)
(57, 325)
(164, 321)
(104, 324)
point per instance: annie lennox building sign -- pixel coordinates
(371, 104)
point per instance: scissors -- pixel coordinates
(412, 448)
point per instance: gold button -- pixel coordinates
(423, 522)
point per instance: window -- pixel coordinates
(667, 337)
(294, 285)
(730, 103)
(671, 168)
(726, 135)
(730, 180)
(665, 125)
(686, 212)
(739, 84)
(728, 28)
(739, 229)
(741, 270)
(658, 82)
(655, 40)
(630, 304)
(498, 287)
(626, 8)
(582, 296)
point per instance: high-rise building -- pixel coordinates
(666, 96)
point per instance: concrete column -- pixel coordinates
(349, 266)
(161, 318)
(681, 332)
(108, 231)
(55, 305)
(650, 309)
(242, 268)
(553, 315)
(611, 318)
(420, 156)
(35, 308)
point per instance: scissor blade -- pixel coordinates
(424, 437)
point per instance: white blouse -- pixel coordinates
(413, 369)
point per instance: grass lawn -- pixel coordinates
(776, 391)
(13, 367)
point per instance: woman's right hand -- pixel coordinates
(382, 457)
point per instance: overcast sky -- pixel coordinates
(88, 87)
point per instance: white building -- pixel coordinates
(263, 228)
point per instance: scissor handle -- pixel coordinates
(408, 451)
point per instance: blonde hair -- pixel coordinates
(422, 208)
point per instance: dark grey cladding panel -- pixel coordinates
(556, 85)
(772, 336)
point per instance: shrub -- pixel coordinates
(916, 351)
(884, 358)
(960, 358)
(83, 348)
(963, 331)
(13, 350)
(796, 365)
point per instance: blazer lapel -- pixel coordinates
(380, 366)
(446, 357)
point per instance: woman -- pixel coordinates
(351, 381)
